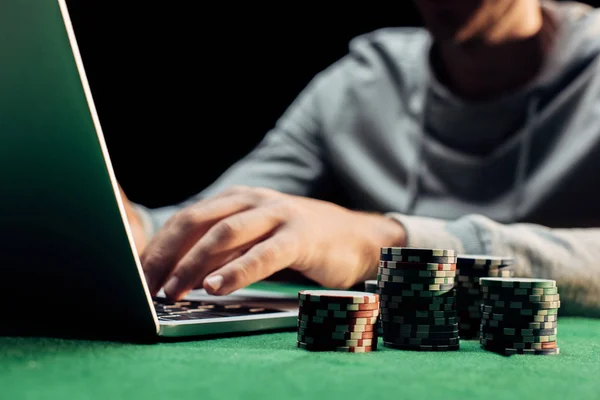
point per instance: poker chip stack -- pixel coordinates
(418, 299)
(469, 270)
(371, 287)
(332, 320)
(519, 316)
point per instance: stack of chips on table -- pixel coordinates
(332, 320)
(371, 287)
(469, 269)
(519, 316)
(417, 299)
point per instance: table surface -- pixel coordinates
(269, 366)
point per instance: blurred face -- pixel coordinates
(460, 20)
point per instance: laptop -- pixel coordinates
(68, 262)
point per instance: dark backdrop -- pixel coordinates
(183, 90)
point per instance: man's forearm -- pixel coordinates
(570, 256)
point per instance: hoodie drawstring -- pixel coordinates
(523, 157)
(529, 129)
(414, 178)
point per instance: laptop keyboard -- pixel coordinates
(189, 310)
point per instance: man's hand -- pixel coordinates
(244, 235)
(137, 228)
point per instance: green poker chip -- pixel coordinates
(416, 273)
(414, 251)
(506, 291)
(520, 283)
(418, 259)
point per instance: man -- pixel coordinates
(481, 134)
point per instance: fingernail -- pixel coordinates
(214, 282)
(172, 286)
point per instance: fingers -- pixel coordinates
(181, 232)
(260, 262)
(220, 261)
(234, 232)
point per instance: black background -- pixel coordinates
(183, 91)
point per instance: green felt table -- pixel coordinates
(270, 366)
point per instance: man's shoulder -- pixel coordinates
(574, 10)
(382, 70)
(394, 38)
(382, 55)
(387, 59)
(587, 20)
(399, 45)
(583, 19)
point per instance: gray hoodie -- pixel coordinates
(514, 176)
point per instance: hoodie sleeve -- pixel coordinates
(569, 256)
(289, 159)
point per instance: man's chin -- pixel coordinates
(449, 20)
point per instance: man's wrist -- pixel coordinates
(381, 232)
(426, 232)
(393, 232)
